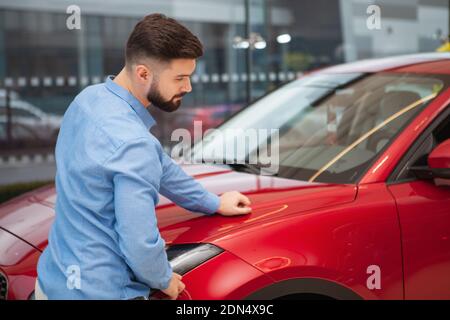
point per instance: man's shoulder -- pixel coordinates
(113, 116)
(97, 100)
(108, 121)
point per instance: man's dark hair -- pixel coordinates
(163, 38)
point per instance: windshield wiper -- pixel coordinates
(253, 168)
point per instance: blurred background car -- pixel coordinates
(27, 121)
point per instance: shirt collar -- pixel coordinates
(137, 106)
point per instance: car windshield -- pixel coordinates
(331, 127)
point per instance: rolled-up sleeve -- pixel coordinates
(136, 170)
(184, 190)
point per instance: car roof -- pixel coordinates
(436, 62)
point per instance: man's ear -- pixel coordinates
(143, 74)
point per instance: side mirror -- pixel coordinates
(438, 165)
(439, 160)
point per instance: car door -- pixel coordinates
(424, 214)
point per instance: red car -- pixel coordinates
(357, 208)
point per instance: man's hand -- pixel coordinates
(233, 203)
(175, 287)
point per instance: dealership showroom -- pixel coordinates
(240, 151)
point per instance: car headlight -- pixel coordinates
(185, 257)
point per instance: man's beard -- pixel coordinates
(156, 99)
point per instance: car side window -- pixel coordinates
(442, 132)
(419, 156)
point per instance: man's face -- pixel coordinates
(171, 84)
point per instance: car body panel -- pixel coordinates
(350, 238)
(222, 282)
(389, 63)
(31, 218)
(432, 67)
(18, 262)
(424, 214)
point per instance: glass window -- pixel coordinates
(332, 127)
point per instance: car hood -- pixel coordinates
(30, 216)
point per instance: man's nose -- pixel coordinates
(187, 87)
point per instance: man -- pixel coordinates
(104, 242)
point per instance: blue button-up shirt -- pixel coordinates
(104, 242)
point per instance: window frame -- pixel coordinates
(394, 177)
